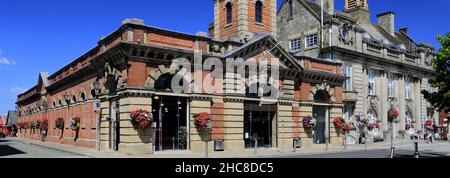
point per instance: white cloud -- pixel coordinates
(5, 61)
(17, 90)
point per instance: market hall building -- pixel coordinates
(132, 67)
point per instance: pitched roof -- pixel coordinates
(261, 37)
(374, 30)
(315, 9)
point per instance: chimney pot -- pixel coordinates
(404, 31)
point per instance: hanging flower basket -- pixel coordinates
(202, 121)
(338, 122)
(374, 125)
(429, 124)
(393, 115)
(74, 123)
(309, 124)
(141, 119)
(59, 123)
(44, 124)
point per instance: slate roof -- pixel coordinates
(374, 30)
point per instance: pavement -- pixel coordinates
(25, 148)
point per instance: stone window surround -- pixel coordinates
(391, 85)
(348, 72)
(408, 88)
(371, 79)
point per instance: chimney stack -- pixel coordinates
(387, 21)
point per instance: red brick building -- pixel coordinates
(134, 65)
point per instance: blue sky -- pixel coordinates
(46, 35)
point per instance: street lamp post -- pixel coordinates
(392, 140)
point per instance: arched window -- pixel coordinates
(322, 96)
(164, 82)
(83, 96)
(229, 13)
(258, 11)
(74, 98)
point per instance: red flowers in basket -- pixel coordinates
(373, 125)
(202, 121)
(394, 113)
(141, 119)
(429, 123)
(338, 121)
(44, 124)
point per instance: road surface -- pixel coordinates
(15, 149)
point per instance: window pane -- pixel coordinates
(229, 13)
(295, 44)
(258, 10)
(311, 40)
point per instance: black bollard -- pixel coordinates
(417, 154)
(392, 152)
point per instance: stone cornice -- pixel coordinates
(371, 58)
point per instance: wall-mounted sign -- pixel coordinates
(96, 105)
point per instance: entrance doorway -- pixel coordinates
(320, 114)
(170, 123)
(260, 125)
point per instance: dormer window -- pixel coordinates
(259, 12)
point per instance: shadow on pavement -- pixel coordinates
(6, 150)
(423, 155)
(4, 141)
